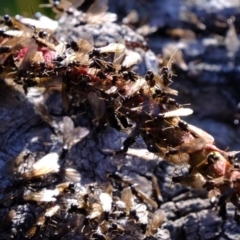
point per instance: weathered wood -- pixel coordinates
(211, 89)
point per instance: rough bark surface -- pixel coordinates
(210, 84)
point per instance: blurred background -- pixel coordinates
(27, 8)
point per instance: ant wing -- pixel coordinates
(178, 159)
(177, 113)
(127, 198)
(131, 59)
(68, 127)
(201, 134)
(97, 103)
(76, 136)
(119, 54)
(78, 3)
(157, 220)
(194, 145)
(97, 13)
(42, 110)
(98, 7)
(85, 44)
(27, 59)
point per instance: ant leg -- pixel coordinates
(223, 210)
(222, 202)
(237, 216)
(130, 139)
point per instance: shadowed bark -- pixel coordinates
(212, 92)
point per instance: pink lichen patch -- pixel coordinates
(48, 55)
(22, 52)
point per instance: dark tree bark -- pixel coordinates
(209, 83)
